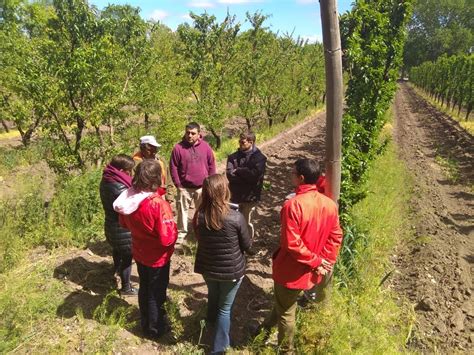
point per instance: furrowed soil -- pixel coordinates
(435, 268)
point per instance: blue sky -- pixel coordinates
(300, 17)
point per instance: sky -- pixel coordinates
(300, 17)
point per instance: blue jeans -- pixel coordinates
(151, 298)
(221, 295)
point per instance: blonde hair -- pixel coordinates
(215, 201)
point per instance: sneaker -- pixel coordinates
(132, 291)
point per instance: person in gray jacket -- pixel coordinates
(116, 178)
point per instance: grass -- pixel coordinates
(450, 167)
(366, 317)
(468, 125)
(29, 301)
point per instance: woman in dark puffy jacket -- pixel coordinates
(223, 237)
(116, 178)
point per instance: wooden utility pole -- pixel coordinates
(334, 95)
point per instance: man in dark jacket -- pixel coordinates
(192, 160)
(245, 171)
(116, 178)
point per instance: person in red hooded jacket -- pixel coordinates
(309, 244)
(149, 217)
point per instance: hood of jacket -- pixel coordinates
(129, 201)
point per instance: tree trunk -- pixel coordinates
(77, 147)
(249, 123)
(468, 112)
(217, 137)
(270, 122)
(147, 121)
(5, 127)
(333, 65)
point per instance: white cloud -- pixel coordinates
(186, 17)
(313, 38)
(237, 2)
(158, 15)
(306, 2)
(201, 4)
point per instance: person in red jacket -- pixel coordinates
(309, 244)
(149, 217)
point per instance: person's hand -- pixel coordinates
(325, 268)
(327, 265)
(321, 271)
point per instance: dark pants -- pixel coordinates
(123, 266)
(151, 298)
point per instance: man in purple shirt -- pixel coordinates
(192, 160)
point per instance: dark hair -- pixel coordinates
(215, 200)
(249, 136)
(193, 125)
(309, 168)
(122, 162)
(147, 176)
(147, 146)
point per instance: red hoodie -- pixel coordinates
(310, 232)
(153, 229)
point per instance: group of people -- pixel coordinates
(140, 224)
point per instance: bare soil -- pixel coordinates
(436, 267)
(89, 272)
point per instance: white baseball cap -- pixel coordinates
(149, 140)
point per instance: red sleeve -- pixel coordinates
(165, 226)
(291, 236)
(333, 243)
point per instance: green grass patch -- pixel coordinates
(365, 317)
(450, 167)
(30, 298)
(73, 217)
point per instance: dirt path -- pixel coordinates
(88, 271)
(436, 268)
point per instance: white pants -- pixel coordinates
(185, 196)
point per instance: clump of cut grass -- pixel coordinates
(450, 167)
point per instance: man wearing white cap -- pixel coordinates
(148, 150)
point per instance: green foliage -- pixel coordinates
(83, 81)
(374, 35)
(208, 48)
(109, 314)
(439, 27)
(449, 80)
(26, 301)
(73, 217)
